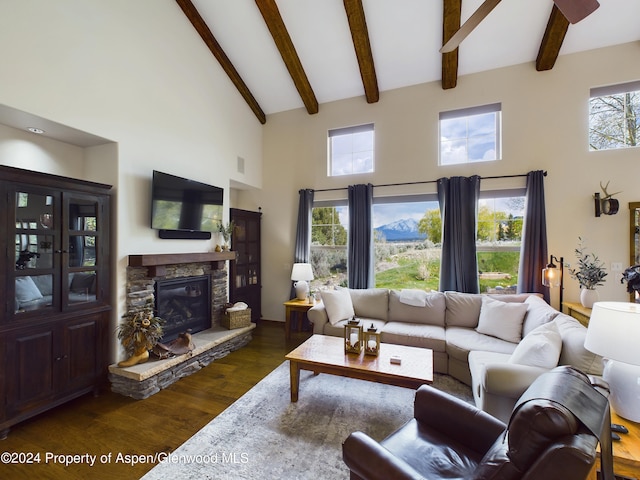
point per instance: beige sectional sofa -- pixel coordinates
(473, 336)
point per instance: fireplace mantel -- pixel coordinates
(157, 262)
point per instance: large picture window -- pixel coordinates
(614, 116)
(470, 135)
(351, 150)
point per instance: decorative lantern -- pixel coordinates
(371, 341)
(353, 338)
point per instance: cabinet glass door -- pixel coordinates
(37, 243)
(82, 253)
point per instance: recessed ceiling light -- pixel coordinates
(35, 130)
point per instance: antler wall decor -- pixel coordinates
(606, 205)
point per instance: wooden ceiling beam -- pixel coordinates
(362, 46)
(205, 33)
(557, 28)
(451, 18)
(276, 26)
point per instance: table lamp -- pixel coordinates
(301, 274)
(614, 333)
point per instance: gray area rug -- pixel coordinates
(264, 435)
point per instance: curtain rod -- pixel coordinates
(422, 182)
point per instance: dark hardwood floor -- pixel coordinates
(112, 426)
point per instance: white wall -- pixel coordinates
(135, 72)
(544, 128)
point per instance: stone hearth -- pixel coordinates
(142, 381)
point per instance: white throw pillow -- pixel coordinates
(501, 319)
(540, 348)
(337, 304)
(26, 290)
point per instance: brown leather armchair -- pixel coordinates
(552, 435)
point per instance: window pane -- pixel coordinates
(614, 120)
(407, 246)
(351, 150)
(329, 247)
(498, 245)
(470, 135)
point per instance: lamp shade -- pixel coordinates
(551, 276)
(301, 271)
(614, 331)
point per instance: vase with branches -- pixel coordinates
(226, 231)
(589, 272)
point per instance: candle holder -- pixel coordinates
(372, 341)
(353, 338)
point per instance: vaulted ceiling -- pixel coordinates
(286, 54)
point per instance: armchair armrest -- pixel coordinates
(460, 421)
(317, 315)
(509, 379)
(369, 460)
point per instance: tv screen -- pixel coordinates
(184, 205)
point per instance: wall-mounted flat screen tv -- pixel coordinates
(183, 208)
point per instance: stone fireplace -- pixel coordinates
(183, 278)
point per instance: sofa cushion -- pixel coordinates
(370, 302)
(431, 314)
(26, 290)
(460, 341)
(540, 348)
(573, 352)
(338, 304)
(463, 309)
(414, 335)
(538, 313)
(501, 319)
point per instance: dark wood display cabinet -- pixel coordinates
(55, 290)
(244, 283)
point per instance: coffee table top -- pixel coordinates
(325, 350)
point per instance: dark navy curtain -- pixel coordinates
(458, 198)
(533, 251)
(302, 253)
(360, 244)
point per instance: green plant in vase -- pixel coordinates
(589, 272)
(226, 231)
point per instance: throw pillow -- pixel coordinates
(540, 348)
(26, 290)
(501, 319)
(338, 305)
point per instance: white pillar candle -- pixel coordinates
(354, 339)
(372, 344)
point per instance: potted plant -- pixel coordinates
(589, 273)
(139, 333)
(226, 231)
(632, 276)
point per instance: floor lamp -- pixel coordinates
(552, 276)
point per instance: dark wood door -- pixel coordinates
(31, 368)
(245, 281)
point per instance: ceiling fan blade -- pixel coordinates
(576, 10)
(468, 26)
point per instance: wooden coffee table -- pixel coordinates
(325, 354)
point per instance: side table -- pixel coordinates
(577, 311)
(299, 307)
(626, 451)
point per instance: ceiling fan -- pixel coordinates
(573, 10)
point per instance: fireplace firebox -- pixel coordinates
(184, 303)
